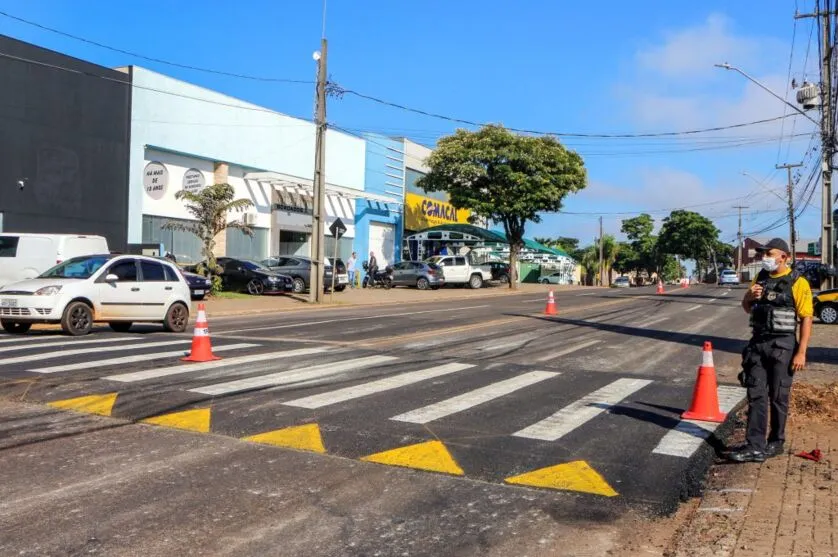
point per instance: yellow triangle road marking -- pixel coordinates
(192, 420)
(93, 404)
(571, 476)
(430, 455)
(302, 437)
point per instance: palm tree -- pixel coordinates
(610, 249)
(210, 208)
(590, 263)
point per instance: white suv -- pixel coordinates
(118, 290)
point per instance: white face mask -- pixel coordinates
(770, 264)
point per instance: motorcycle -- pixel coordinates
(384, 278)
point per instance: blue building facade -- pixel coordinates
(379, 226)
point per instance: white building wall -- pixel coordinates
(191, 127)
(415, 156)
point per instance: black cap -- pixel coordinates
(776, 243)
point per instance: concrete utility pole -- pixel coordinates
(809, 100)
(790, 194)
(739, 240)
(318, 216)
(601, 258)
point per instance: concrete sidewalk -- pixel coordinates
(372, 297)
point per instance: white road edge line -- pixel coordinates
(292, 376)
(374, 387)
(133, 359)
(582, 411)
(191, 368)
(566, 351)
(686, 437)
(90, 351)
(473, 398)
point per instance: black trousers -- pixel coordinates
(768, 377)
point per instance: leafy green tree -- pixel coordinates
(565, 243)
(610, 249)
(210, 208)
(588, 259)
(627, 259)
(639, 232)
(692, 236)
(504, 177)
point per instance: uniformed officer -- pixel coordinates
(777, 299)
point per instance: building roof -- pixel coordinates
(494, 236)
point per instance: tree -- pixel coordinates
(610, 249)
(565, 243)
(639, 232)
(504, 177)
(588, 259)
(627, 259)
(692, 236)
(210, 207)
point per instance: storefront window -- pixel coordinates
(185, 246)
(242, 246)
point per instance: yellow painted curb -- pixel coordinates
(191, 420)
(302, 437)
(431, 456)
(93, 404)
(571, 476)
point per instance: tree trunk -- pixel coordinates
(513, 266)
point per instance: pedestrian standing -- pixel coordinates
(777, 299)
(371, 269)
(350, 268)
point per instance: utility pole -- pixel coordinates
(827, 139)
(318, 215)
(601, 258)
(739, 240)
(790, 194)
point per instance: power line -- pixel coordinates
(788, 87)
(152, 59)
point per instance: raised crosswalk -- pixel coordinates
(304, 380)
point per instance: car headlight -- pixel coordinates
(273, 279)
(48, 290)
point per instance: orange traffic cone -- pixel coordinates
(660, 287)
(705, 404)
(201, 347)
(551, 305)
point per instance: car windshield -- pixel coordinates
(77, 267)
(253, 265)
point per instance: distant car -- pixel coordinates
(199, 286)
(244, 275)
(299, 269)
(621, 282)
(826, 306)
(500, 271)
(555, 278)
(117, 289)
(728, 276)
(421, 274)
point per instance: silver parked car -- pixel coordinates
(555, 278)
(421, 274)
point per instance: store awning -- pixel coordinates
(291, 184)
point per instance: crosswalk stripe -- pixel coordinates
(378, 386)
(5, 339)
(568, 350)
(473, 398)
(291, 376)
(65, 342)
(132, 359)
(89, 351)
(686, 437)
(582, 411)
(695, 308)
(203, 366)
(650, 322)
(711, 300)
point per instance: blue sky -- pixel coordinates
(551, 65)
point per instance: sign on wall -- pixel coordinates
(194, 180)
(155, 180)
(423, 212)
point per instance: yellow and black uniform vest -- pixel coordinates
(775, 314)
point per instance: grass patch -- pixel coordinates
(231, 296)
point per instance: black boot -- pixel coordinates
(774, 448)
(747, 454)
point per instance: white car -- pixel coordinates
(622, 282)
(117, 289)
(728, 276)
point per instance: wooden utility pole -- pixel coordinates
(318, 216)
(601, 258)
(790, 194)
(739, 240)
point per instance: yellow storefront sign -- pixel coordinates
(422, 212)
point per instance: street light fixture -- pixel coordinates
(727, 66)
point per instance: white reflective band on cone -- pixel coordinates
(202, 316)
(707, 359)
(201, 331)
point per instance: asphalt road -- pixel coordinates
(457, 428)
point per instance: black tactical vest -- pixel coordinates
(774, 314)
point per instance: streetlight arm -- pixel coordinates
(727, 66)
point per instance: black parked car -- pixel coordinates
(299, 269)
(500, 271)
(199, 286)
(244, 275)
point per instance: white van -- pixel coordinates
(26, 256)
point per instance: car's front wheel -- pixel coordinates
(545, 281)
(77, 319)
(299, 285)
(177, 318)
(120, 326)
(255, 287)
(422, 283)
(828, 314)
(16, 327)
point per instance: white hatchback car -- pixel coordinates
(117, 289)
